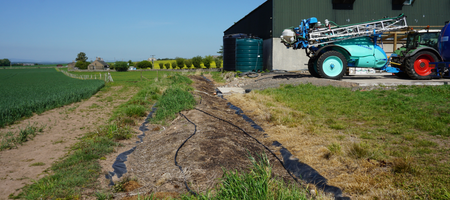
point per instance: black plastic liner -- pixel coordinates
(246, 118)
(299, 169)
(307, 173)
(119, 165)
(206, 79)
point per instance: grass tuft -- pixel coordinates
(257, 183)
(173, 100)
(11, 140)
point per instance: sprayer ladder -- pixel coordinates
(334, 34)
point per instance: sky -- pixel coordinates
(115, 30)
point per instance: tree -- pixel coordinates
(144, 64)
(121, 66)
(207, 61)
(5, 62)
(197, 61)
(82, 64)
(221, 52)
(81, 56)
(130, 63)
(174, 65)
(188, 63)
(218, 62)
(180, 62)
(167, 65)
(161, 65)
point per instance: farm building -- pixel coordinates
(98, 64)
(71, 65)
(270, 19)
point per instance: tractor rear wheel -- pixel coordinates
(418, 66)
(402, 75)
(332, 65)
(312, 67)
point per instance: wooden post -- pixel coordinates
(395, 42)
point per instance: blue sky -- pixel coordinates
(57, 30)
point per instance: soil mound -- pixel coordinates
(216, 146)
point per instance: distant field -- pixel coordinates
(28, 91)
(33, 66)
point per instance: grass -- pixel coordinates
(11, 140)
(173, 100)
(404, 130)
(258, 183)
(37, 164)
(70, 176)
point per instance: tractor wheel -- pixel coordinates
(417, 67)
(312, 67)
(331, 65)
(402, 75)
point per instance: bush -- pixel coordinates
(188, 63)
(111, 65)
(218, 62)
(197, 61)
(180, 62)
(207, 61)
(144, 64)
(82, 64)
(174, 65)
(167, 65)
(121, 66)
(161, 65)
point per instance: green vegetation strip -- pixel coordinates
(28, 91)
(401, 126)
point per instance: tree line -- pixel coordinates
(178, 63)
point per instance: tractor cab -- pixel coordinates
(421, 38)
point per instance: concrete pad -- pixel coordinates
(387, 79)
(231, 90)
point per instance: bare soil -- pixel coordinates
(62, 128)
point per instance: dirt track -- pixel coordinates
(62, 128)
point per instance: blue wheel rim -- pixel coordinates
(332, 66)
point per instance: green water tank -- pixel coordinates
(242, 53)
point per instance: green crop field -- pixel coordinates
(28, 91)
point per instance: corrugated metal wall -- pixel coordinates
(287, 13)
(258, 22)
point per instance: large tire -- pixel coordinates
(417, 67)
(312, 67)
(332, 65)
(402, 75)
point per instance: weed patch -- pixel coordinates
(172, 101)
(11, 140)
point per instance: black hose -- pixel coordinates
(176, 154)
(249, 74)
(267, 148)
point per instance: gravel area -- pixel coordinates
(273, 80)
